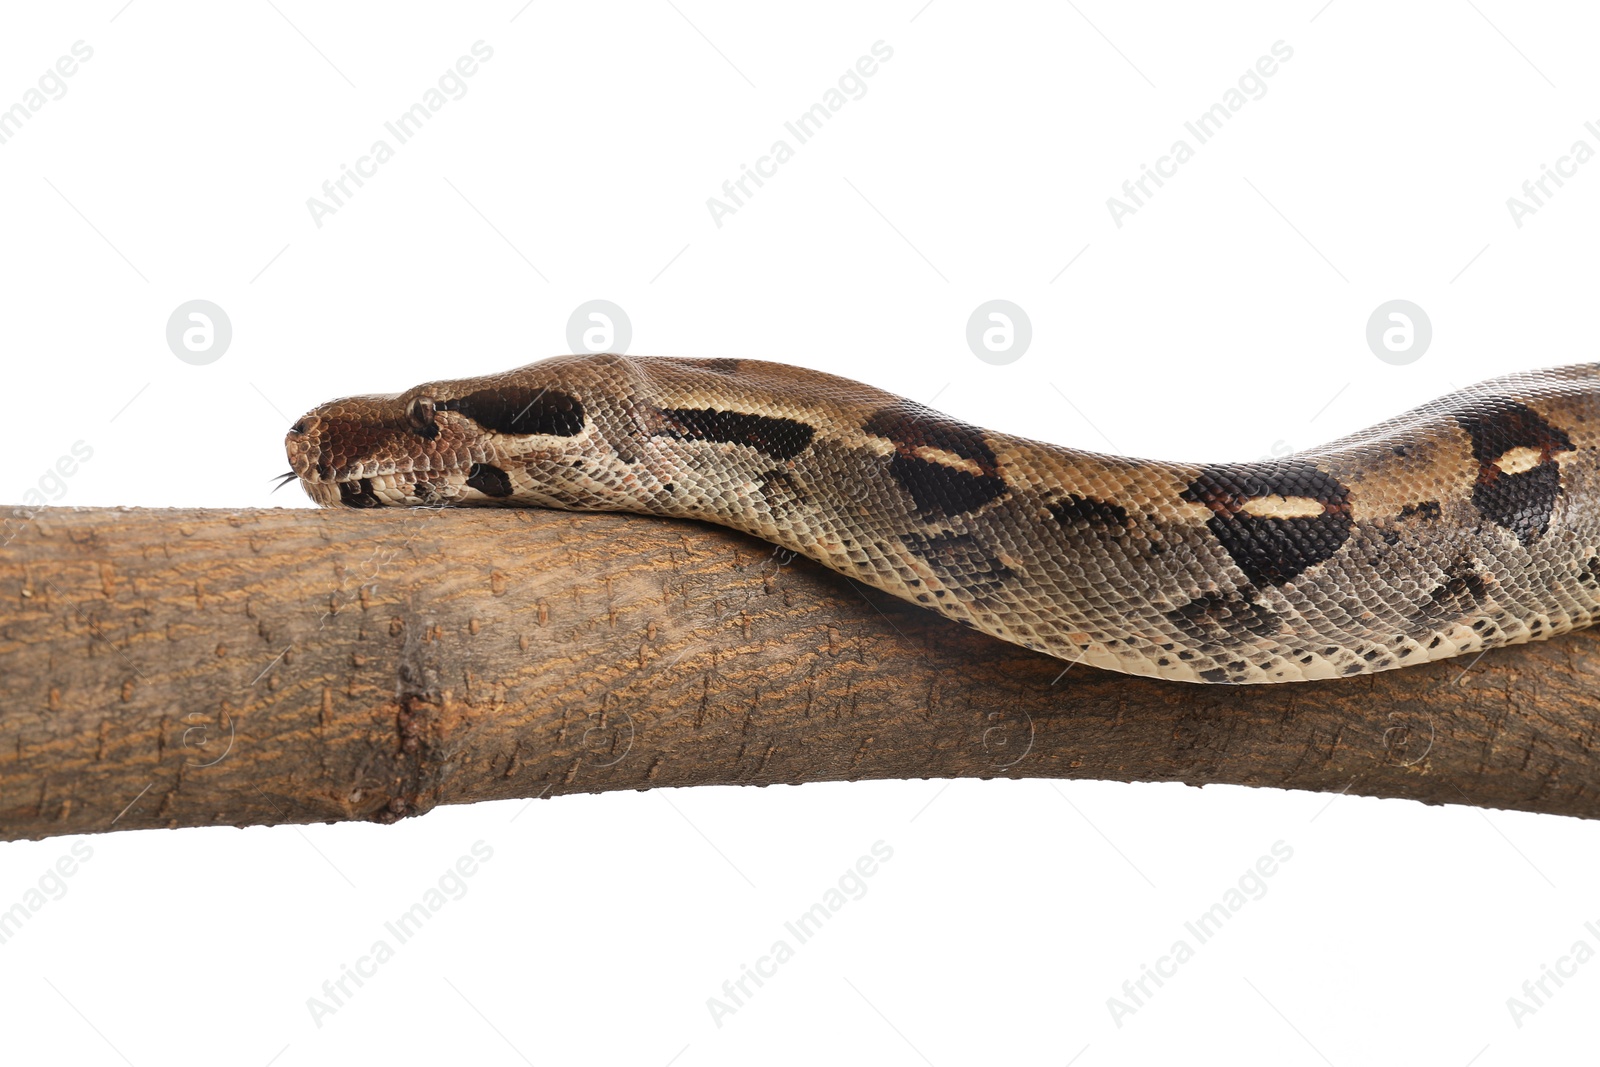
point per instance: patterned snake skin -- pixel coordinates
(1469, 523)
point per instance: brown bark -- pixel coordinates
(190, 668)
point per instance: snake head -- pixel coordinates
(474, 441)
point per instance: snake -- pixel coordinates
(1469, 523)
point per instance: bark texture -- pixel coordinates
(187, 668)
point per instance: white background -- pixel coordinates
(1224, 320)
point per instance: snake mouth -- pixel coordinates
(364, 484)
(383, 490)
(359, 459)
(358, 494)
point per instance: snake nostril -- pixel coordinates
(299, 427)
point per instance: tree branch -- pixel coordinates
(191, 668)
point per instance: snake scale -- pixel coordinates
(1468, 523)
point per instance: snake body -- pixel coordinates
(1468, 523)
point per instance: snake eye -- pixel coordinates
(420, 414)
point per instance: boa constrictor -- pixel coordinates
(1469, 523)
